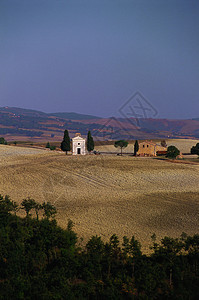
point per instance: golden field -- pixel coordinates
(106, 194)
(184, 145)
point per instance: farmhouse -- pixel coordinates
(78, 145)
(149, 148)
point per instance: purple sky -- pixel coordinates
(91, 56)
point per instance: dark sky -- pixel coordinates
(91, 56)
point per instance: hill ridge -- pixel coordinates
(19, 123)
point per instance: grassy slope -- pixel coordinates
(73, 116)
(107, 194)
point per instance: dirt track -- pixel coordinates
(107, 194)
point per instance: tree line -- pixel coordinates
(40, 260)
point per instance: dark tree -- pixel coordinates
(134, 247)
(52, 147)
(15, 207)
(2, 141)
(48, 145)
(90, 142)
(49, 210)
(172, 152)
(195, 149)
(37, 208)
(65, 144)
(7, 206)
(136, 148)
(122, 144)
(27, 205)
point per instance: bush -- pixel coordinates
(52, 147)
(195, 149)
(172, 152)
(3, 141)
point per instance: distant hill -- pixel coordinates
(36, 113)
(26, 124)
(22, 111)
(73, 116)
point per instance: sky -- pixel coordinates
(91, 56)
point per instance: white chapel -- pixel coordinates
(78, 145)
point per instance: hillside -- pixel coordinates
(24, 124)
(73, 116)
(106, 194)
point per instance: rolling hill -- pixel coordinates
(25, 124)
(73, 116)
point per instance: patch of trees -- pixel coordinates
(40, 260)
(172, 152)
(195, 149)
(3, 141)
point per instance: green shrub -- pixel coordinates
(3, 141)
(52, 147)
(172, 152)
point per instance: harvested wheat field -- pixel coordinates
(184, 145)
(106, 194)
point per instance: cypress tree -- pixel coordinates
(136, 148)
(90, 142)
(47, 145)
(65, 144)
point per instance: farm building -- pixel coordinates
(78, 145)
(149, 148)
